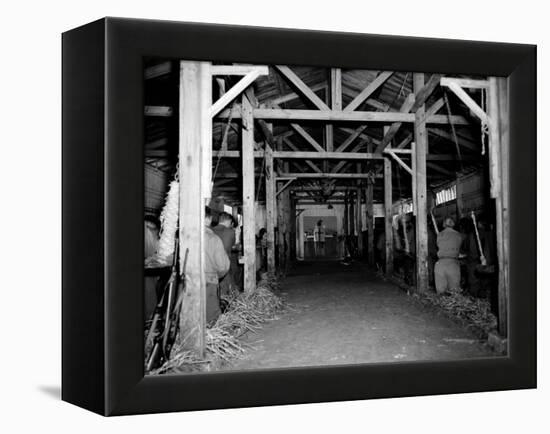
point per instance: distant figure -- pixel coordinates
(319, 237)
(261, 250)
(216, 265)
(380, 257)
(447, 268)
(224, 230)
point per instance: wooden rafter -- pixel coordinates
(392, 130)
(465, 98)
(446, 135)
(440, 169)
(292, 96)
(238, 69)
(294, 148)
(239, 87)
(351, 138)
(307, 137)
(411, 104)
(368, 91)
(302, 87)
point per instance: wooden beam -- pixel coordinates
(287, 155)
(337, 116)
(423, 94)
(249, 221)
(270, 205)
(405, 141)
(352, 215)
(302, 87)
(440, 169)
(363, 136)
(435, 107)
(369, 208)
(335, 104)
(329, 175)
(465, 82)
(336, 188)
(405, 108)
(461, 141)
(467, 99)
(232, 93)
(158, 111)
(291, 96)
(296, 153)
(158, 70)
(284, 186)
(238, 69)
(336, 88)
(330, 155)
(388, 218)
(503, 205)
(307, 137)
(498, 130)
(368, 91)
(191, 199)
(351, 138)
(400, 161)
(453, 157)
(421, 146)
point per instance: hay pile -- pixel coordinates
(474, 313)
(246, 312)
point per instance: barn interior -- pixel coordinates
(350, 175)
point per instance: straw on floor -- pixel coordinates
(246, 313)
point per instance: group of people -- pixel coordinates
(454, 256)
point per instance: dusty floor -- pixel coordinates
(345, 314)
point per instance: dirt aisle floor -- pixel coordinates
(345, 314)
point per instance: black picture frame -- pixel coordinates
(102, 243)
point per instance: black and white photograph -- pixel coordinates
(275, 217)
(300, 216)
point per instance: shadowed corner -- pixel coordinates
(51, 391)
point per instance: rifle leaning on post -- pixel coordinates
(160, 341)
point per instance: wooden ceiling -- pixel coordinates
(275, 90)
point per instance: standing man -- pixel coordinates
(216, 265)
(319, 234)
(447, 268)
(224, 230)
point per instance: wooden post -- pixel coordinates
(346, 215)
(288, 226)
(351, 214)
(249, 220)
(498, 161)
(335, 104)
(292, 229)
(388, 223)
(369, 205)
(270, 207)
(194, 136)
(419, 156)
(359, 221)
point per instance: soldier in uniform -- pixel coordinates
(447, 268)
(224, 230)
(216, 266)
